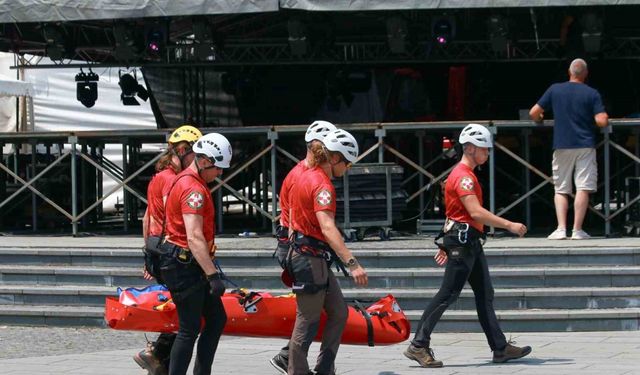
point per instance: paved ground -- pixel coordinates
(29, 350)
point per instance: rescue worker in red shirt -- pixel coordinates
(462, 247)
(314, 135)
(179, 154)
(190, 273)
(317, 242)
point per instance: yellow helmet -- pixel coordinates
(185, 133)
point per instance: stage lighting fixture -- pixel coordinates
(592, 27)
(397, 34)
(130, 88)
(498, 33)
(297, 37)
(155, 39)
(87, 88)
(54, 39)
(443, 30)
(126, 48)
(202, 40)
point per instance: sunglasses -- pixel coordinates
(213, 162)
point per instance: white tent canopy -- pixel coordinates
(74, 10)
(12, 87)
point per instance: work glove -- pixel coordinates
(282, 251)
(216, 286)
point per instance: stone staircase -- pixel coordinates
(539, 285)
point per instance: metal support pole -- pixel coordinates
(74, 186)
(16, 156)
(380, 133)
(637, 150)
(492, 176)
(273, 137)
(607, 221)
(3, 181)
(346, 199)
(125, 194)
(34, 200)
(420, 175)
(527, 176)
(99, 187)
(263, 188)
(83, 184)
(389, 195)
(219, 211)
(94, 218)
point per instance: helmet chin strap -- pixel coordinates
(198, 167)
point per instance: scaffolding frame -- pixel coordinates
(266, 158)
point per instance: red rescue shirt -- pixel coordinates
(462, 181)
(285, 191)
(157, 189)
(189, 195)
(313, 193)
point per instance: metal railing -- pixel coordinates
(390, 140)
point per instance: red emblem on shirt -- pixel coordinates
(324, 198)
(466, 183)
(195, 200)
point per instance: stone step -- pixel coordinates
(452, 321)
(268, 278)
(379, 258)
(409, 299)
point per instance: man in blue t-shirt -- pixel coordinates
(576, 108)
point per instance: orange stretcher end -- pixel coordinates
(258, 314)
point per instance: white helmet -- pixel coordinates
(216, 147)
(343, 142)
(318, 130)
(476, 134)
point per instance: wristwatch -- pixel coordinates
(352, 262)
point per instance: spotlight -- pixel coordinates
(591, 32)
(126, 48)
(130, 88)
(397, 34)
(87, 88)
(155, 39)
(443, 30)
(498, 32)
(54, 39)
(297, 37)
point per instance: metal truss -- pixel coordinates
(425, 170)
(270, 52)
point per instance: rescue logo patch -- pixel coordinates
(324, 198)
(195, 200)
(466, 183)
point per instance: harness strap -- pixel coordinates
(301, 241)
(367, 318)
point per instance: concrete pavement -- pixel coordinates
(93, 351)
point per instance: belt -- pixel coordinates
(314, 247)
(465, 233)
(302, 240)
(184, 254)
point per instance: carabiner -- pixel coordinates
(462, 233)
